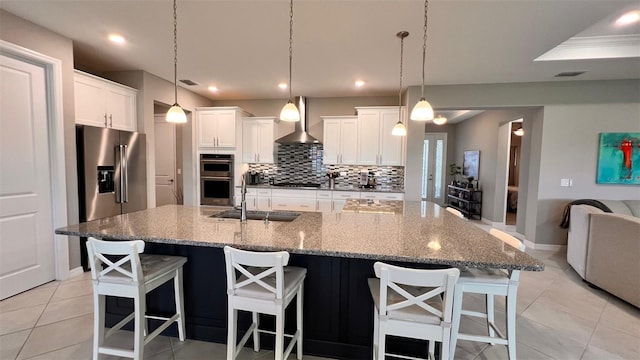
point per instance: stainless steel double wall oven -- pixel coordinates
(216, 179)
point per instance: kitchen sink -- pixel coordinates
(259, 215)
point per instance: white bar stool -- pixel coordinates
(455, 212)
(133, 275)
(489, 282)
(260, 282)
(412, 303)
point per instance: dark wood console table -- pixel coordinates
(468, 201)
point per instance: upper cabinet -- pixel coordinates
(103, 103)
(258, 140)
(376, 145)
(340, 134)
(217, 126)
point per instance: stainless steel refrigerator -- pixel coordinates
(112, 176)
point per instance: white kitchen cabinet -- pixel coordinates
(264, 199)
(218, 126)
(381, 196)
(258, 140)
(324, 203)
(104, 103)
(339, 141)
(376, 145)
(293, 200)
(339, 199)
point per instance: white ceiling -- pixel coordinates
(241, 46)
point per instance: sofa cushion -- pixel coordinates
(617, 206)
(634, 206)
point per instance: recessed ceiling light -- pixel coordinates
(360, 83)
(118, 39)
(282, 86)
(629, 18)
(213, 88)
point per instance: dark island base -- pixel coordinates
(338, 310)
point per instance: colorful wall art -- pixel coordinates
(619, 159)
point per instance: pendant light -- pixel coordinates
(175, 113)
(440, 120)
(400, 129)
(423, 110)
(290, 111)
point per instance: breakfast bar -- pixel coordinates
(338, 250)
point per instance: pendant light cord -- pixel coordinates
(175, 50)
(424, 43)
(290, 45)
(402, 36)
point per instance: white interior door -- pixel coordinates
(26, 222)
(433, 167)
(165, 150)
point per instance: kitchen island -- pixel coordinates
(338, 250)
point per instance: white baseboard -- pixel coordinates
(532, 245)
(76, 272)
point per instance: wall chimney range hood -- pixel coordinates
(300, 135)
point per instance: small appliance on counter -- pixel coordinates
(367, 180)
(254, 178)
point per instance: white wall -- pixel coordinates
(570, 141)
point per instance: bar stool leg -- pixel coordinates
(511, 322)
(279, 350)
(455, 319)
(140, 306)
(382, 340)
(299, 303)
(491, 316)
(256, 333)
(179, 295)
(231, 335)
(375, 334)
(98, 322)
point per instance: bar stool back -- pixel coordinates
(455, 212)
(412, 303)
(133, 275)
(489, 282)
(260, 282)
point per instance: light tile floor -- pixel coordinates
(559, 317)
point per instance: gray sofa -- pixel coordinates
(604, 248)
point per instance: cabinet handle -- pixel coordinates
(317, 205)
(304, 206)
(105, 120)
(258, 157)
(269, 202)
(110, 120)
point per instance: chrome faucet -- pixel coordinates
(243, 200)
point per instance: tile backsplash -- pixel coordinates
(303, 163)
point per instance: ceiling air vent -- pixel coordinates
(569, 74)
(188, 82)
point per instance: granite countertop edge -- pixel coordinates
(315, 252)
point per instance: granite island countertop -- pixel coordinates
(419, 232)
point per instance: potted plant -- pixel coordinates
(454, 171)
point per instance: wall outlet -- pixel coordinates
(179, 171)
(566, 182)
